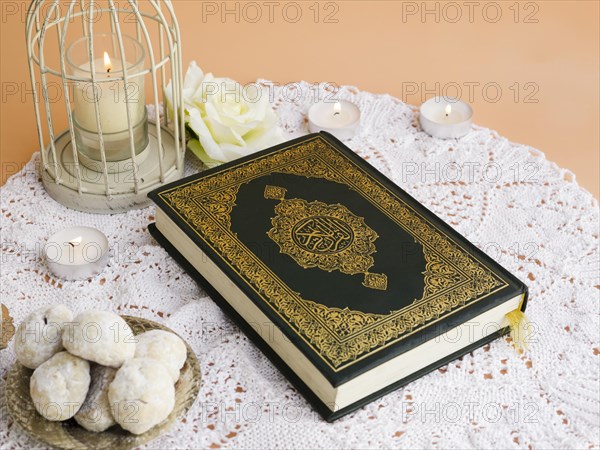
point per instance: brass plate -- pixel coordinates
(70, 435)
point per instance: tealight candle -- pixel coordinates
(445, 118)
(342, 118)
(76, 253)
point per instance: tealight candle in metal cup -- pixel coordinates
(76, 253)
(445, 117)
(342, 118)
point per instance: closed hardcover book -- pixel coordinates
(349, 285)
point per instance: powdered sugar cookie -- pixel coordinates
(141, 395)
(100, 336)
(59, 386)
(95, 414)
(39, 336)
(164, 347)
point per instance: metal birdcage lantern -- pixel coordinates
(102, 57)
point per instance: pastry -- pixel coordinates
(164, 347)
(39, 336)
(95, 413)
(59, 386)
(100, 336)
(141, 395)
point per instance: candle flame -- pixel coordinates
(337, 108)
(107, 62)
(76, 241)
(448, 109)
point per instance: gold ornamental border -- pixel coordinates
(453, 277)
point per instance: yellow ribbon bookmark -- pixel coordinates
(519, 328)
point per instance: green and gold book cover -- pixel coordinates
(346, 264)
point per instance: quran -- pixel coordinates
(349, 286)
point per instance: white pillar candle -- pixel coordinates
(110, 95)
(342, 118)
(76, 253)
(445, 118)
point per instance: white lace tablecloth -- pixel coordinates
(526, 212)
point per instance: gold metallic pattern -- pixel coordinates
(275, 192)
(7, 327)
(329, 237)
(375, 281)
(453, 277)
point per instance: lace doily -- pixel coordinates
(525, 212)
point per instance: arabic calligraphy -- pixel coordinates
(322, 234)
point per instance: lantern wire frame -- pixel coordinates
(110, 195)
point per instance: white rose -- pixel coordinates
(227, 121)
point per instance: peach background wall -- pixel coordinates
(533, 66)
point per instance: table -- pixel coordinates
(524, 211)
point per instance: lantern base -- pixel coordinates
(85, 189)
(114, 166)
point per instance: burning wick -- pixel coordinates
(448, 110)
(107, 63)
(337, 108)
(75, 242)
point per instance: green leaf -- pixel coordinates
(196, 148)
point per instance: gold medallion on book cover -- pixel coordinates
(329, 237)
